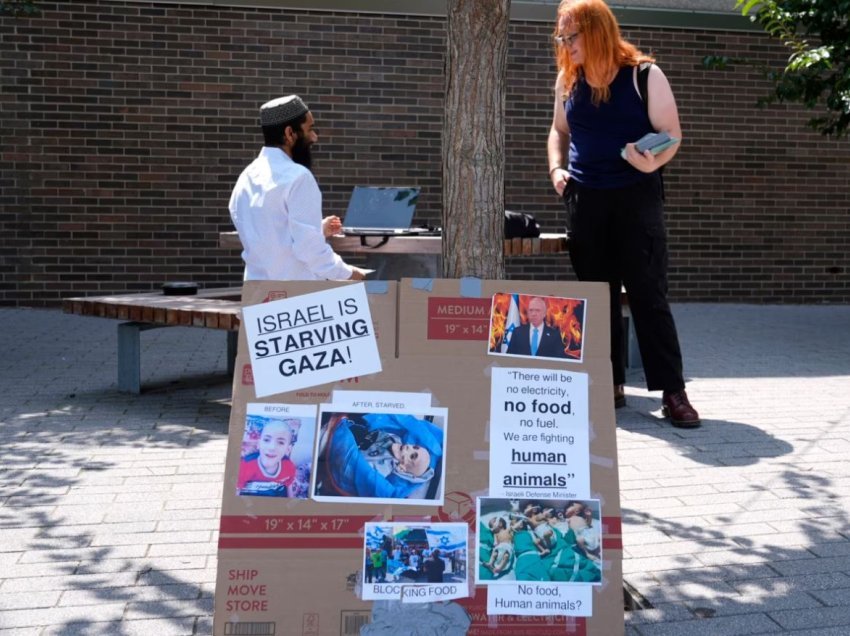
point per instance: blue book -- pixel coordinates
(655, 142)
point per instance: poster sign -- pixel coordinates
(373, 456)
(415, 562)
(277, 450)
(540, 599)
(539, 557)
(529, 326)
(311, 339)
(542, 540)
(539, 434)
(385, 400)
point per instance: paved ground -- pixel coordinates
(109, 503)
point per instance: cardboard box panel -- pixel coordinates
(291, 566)
(452, 317)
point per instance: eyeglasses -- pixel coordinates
(566, 40)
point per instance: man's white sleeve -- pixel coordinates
(305, 224)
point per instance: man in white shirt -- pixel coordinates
(276, 204)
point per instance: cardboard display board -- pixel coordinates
(543, 550)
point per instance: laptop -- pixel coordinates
(378, 211)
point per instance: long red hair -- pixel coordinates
(605, 51)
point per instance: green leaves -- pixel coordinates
(818, 70)
(18, 7)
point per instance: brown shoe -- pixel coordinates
(676, 406)
(619, 396)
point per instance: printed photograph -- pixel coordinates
(556, 540)
(415, 553)
(380, 457)
(277, 451)
(537, 326)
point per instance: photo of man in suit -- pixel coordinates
(536, 338)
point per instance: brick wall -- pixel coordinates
(124, 127)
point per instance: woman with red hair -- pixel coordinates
(612, 192)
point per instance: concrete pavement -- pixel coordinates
(109, 502)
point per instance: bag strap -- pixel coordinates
(643, 83)
(643, 91)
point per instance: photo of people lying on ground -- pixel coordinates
(276, 452)
(380, 457)
(537, 326)
(539, 540)
(414, 553)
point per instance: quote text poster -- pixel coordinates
(311, 339)
(540, 599)
(539, 434)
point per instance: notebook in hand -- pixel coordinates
(377, 211)
(655, 142)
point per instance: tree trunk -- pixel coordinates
(474, 138)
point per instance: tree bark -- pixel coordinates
(474, 138)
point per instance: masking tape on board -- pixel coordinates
(377, 287)
(470, 287)
(425, 284)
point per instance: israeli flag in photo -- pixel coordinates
(512, 321)
(446, 539)
(375, 535)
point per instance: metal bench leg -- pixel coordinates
(633, 360)
(232, 346)
(130, 356)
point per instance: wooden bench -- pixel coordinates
(217, 308)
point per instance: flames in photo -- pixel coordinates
(511, 310)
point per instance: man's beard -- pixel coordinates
(301, 152)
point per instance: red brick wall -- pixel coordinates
(124, 127)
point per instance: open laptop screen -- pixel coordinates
(377, 210)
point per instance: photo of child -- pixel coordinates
(375, 457)
(537, 326)
(275, 457)
(539, 540)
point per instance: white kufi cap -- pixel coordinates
(281, 110)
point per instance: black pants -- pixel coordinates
(618, 236)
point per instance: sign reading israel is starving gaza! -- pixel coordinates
(311, 339)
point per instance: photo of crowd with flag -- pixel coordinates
(405, 548)
(509, 311)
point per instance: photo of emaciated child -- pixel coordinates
(268, 458)
(539, 540)
(380, 456)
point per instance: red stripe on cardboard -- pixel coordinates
(289, 543)
(509, 625)
(612, 525)
(458, 318)
(293, 524)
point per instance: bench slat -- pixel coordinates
(215, 308)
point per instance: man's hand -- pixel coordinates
(357, 274)
(331, 225)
